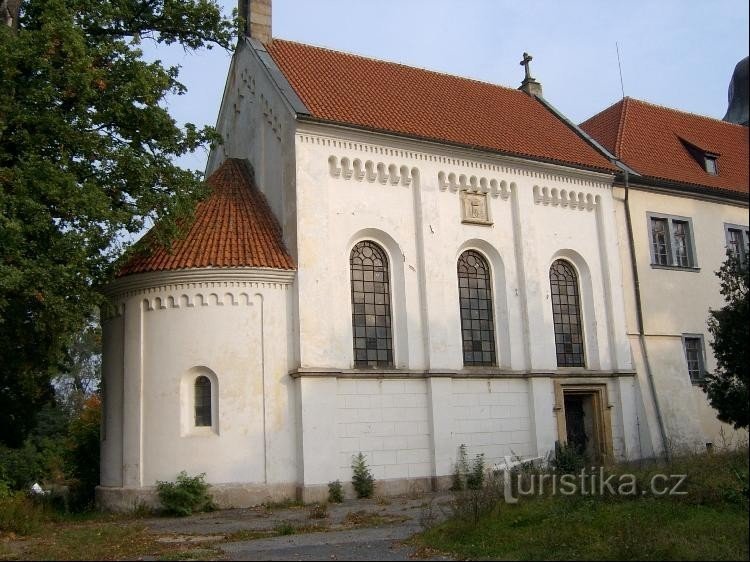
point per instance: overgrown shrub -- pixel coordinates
(83, 453)
(460, 469)
(566, 459)
(189, 494)
(465, 476)
(362, 479)
(20, 514)
(335, 492)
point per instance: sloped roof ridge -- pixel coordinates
(682, 112)
(401, 64)
(621, 125)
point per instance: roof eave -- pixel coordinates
(318, 120)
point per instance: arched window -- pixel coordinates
(371, 306)
(475, 301)
(566, 314)
(202, 401)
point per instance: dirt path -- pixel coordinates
(353, 530)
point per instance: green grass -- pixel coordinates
(578, 529)
(709, 523)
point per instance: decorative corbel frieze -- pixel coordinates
(575, 200)
(370, 171)
(492, 186)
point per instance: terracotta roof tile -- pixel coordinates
(651, 140)
(233, 227)
(394, 98)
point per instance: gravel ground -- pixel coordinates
(354, 530)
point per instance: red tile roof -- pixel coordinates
(233, 227)
(651, 140)
(394, 98)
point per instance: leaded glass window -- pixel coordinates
(475, 301)
(371, 306)
(202, 401)
(566, 314)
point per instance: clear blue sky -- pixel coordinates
(678, 53)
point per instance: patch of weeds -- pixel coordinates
(335, 492)
(285, 528)
(364, 518)
(189, 494)
(193, 554)
(318, 511)
(250, 535)
(19, 514)
(383, 500)
(287, 503)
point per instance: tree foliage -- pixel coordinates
(727, 387)
(86, 152)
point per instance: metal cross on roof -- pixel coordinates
(527, 58)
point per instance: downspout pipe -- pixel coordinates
(639, 317)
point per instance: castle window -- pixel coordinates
(693, 345)
(371, 306)
(566, 315)
(202, 401)
(475, 302)
(737, 240)
(671, 240)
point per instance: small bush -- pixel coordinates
(335, 492)
(465, 477)
(362, 480)
(460, 469)
(187, 495)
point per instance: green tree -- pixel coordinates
(86, 156)
(727, 388)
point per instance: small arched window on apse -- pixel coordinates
(371, 306)
(475, 302)
(566, 315)
(202, 401)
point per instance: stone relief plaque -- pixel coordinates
(474, 208)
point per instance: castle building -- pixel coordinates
(392, 261)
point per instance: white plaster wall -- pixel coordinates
(112, 400)
(676, 302)
(387, 420)
(257, 125)
(414, 213)
(492, 417)
(237, 332)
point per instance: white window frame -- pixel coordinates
(745, 238)
(672, 246)
(702, 349)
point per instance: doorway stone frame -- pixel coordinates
(602, 415)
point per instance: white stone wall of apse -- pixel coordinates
(238, 333)
(386, 420)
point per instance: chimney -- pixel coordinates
(529, 85)
(257, 16)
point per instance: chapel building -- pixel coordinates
(398, 262)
